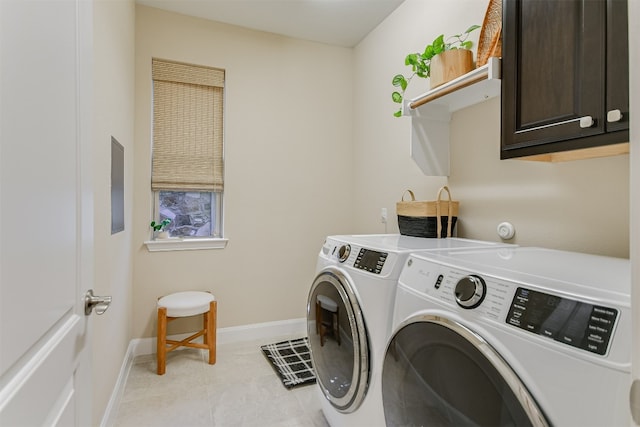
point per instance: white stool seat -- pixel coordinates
(327, 303)
(184, 304)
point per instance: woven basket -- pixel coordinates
(490, 41)
(427, 218)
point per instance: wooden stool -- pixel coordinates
(324, 305)
(185, 304)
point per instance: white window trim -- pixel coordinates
(185, 244)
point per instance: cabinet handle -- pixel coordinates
(585, 122)
(614, 116)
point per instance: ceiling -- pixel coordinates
(336, 22)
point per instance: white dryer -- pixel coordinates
(349, 317)
(518, 337)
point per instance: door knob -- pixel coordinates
(99, 303)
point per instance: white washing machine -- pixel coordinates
(517, 337)
(356, 281)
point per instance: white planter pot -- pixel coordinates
(162, 235)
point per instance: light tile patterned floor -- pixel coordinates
(241, 389)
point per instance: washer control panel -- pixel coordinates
(483, 296)
(578, 324)
(368, 260)
(371, 261)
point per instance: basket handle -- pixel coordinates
(413, 197)
(438, 212)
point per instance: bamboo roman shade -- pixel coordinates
(187, 127)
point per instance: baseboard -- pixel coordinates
(147, 346)
(111, 412)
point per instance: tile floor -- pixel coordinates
(241, 389)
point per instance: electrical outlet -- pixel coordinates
(383, 215)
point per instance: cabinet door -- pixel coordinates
(554, 75)
(617, 65)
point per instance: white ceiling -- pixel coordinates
(335, 22)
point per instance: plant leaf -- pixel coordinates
(438, 44)
(400, 81)
(411, 59)
(396, 97)
(472, 28)
(398, 113)
(428, 52)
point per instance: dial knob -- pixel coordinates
(470, 291)
(343, 253)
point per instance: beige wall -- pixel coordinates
(113, 103)
(383, 168)
(288, 168)
(580, 206)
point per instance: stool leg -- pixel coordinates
(162, 338)
(210, 326)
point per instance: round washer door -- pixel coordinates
(338, 340)
(438, 372)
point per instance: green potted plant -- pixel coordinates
(428, 63)
(159, 228)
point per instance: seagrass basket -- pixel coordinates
(434, 219)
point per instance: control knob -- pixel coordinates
(343, 253)
(470, 291)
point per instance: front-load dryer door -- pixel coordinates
(338, 340)
(438, 372)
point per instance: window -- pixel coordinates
(187, 161)
(192, 214)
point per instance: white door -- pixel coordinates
(45, 212)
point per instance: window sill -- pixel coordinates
(178, 244)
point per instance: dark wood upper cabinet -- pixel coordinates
(564, 72)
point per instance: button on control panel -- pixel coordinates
(371, 261)
(578, 324)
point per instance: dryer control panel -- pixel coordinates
(578, 324)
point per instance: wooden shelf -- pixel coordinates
(469, 89)
(430, 114)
